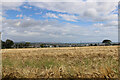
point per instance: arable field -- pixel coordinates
(66, 62)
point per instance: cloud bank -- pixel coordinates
(63, 22)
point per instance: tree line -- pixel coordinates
(10, 44)
(7, 44)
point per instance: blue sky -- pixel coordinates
(60, 22)
(39, 14)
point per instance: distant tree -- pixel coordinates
(3, 44)
(9, 43)
(27, 44)
(95, 44)
(54, 46)
(91, 45)
(21, 45)
(107, 42)
(16, 45)
(41, 45)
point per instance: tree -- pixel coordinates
(41, 45)
(54, 45)
(95, 44)
(3, 44)
(21, 45)
(107, 42)
(27, 44)
(16, 45)
(91, 45)
(9, 43)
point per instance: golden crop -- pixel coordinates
(66, 62)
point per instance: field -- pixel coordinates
(66, 62)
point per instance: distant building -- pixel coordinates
(50, 46)
(70, 45)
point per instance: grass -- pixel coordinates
(70, 62)
(7, 62)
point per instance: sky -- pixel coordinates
(71, 22)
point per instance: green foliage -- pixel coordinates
(27, 44)
(3, 44)
(21, 45)
(107, 42)
(95, 44)
(42, 45)
(9, 43)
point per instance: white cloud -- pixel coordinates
(68, 17)
(112, 24)
(51, 15)
(38, 13)
(62, 16)
(93, 11)
(17, 24)
(40, 30)
(27, 7)
(0, 16)
(13, 1)
(107, 24)
(88, 11)
(11, 5)
(97, 31)
(49, 31)
(98, 25)
(73, 0)
(19, 15)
